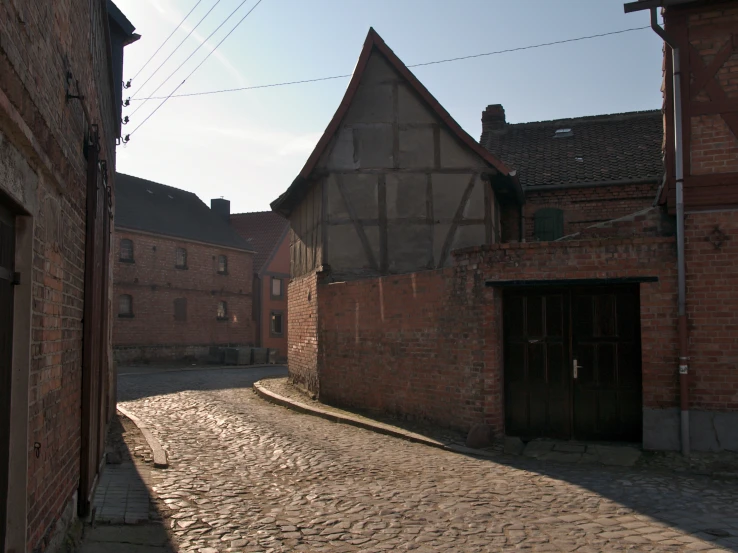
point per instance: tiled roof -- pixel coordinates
(619, 146)
(263, 231)
(148, 206)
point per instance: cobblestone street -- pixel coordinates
(248, 476)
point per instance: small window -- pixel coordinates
(126, 250)
(276, 287)
(125, 305)
(276, 327)
(222, 311)
(562, 133)
(548, 224)
(181, 260)
(180, 309)
(222, 265)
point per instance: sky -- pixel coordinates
(248, 146)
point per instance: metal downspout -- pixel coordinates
(681, 266)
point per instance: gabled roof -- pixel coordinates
(263, 231)
(286, 201)
(616, 147)
(148, 206)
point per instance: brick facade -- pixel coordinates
(153, 282)
(46, 50)
(429, 345)
(584, 207)
(302, 338)
(278, 267)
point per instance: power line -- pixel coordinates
(167, 40)
(204, 93)
(200, 64)
(173, 51)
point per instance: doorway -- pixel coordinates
(572, 363)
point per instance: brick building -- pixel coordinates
(60, 77)
(182, 275)
(572, 338)
(268, 235)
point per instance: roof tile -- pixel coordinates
(263, 231)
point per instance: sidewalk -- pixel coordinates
(124, 519)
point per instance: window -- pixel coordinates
(126, 250)
(222, 311)
(548, 224)
(181, 262)
(275, 326)
(563, 133)
(180, 309)
(222, 265)
(125, 305)
(276, 287)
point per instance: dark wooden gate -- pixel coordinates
(95, 386)
(7, 264)
(572, 363)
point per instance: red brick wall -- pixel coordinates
(280, 267)
(712, 309)
(410, 345)
(429, 344)
(584, 207)
(302, 344)
(154, 283)
(39, 43)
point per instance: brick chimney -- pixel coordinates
(493, 118)
(222, 208)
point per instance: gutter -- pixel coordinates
(681, 264)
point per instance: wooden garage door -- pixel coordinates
(572, 363)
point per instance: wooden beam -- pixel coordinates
(383, 230)
(357, 225)
(457, 218)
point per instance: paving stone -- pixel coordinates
(260, 478)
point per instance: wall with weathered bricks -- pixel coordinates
(712, 309)
(584, 207)
(409, 345)
(302, 331)
(429, 344)
(49, 132)
(154, 282)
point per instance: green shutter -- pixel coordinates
(549, 224)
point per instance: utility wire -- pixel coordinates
(167, 40)
(204, 93)
(173, 51)
(199, 65)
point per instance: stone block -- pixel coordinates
(538, 448)
(340, 155)
(713, 431)
(661, 429)
(412, 109)
(406, 195)
(448, 189)
(455, 154)
(416, 148)
(373, 146)
(372, 103)
(514, 445)
(408, 246)
(361, 193)
(479, 436)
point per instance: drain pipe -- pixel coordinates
(681, 267)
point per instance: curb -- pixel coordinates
(160, 456)
(377, 427)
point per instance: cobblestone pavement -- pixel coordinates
(249, 476)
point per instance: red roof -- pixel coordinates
(286, 201)
(263, 232)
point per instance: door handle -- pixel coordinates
(576, 369)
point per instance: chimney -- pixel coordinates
(493, 118)
(222, 208)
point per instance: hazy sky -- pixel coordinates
(248, 146)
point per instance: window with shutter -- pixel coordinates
(548, 224)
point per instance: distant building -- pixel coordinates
(268, 235)
(61, 66)
(182, 275)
